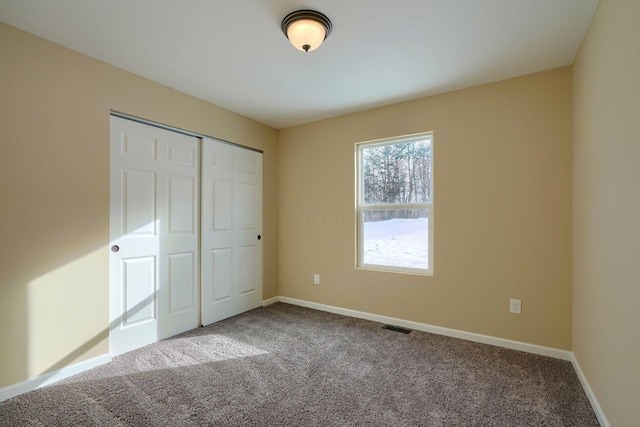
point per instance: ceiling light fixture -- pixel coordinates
(306, 29)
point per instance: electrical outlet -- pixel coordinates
(515, 306)
(316, 279)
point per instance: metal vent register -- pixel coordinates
(397, 329)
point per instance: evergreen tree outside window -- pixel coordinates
(395, 204)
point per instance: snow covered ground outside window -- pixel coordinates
(397, 242)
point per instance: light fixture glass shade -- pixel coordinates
(306, 29)
(306, 34)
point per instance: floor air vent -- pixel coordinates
(397, 329)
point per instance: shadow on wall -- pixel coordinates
(53, 295)
(64, 312)
(93, 341)
(65, 307)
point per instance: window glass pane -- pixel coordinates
(397, 173)
(396, 238)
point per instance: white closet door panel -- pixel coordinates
(182, 201)
(221, 273)
(137, 146)
(138, 289)
(139, 200)
(247, 206)
(222, 200)
(231, 230)
(181, 278)
(248, 274)
(154, 274)
(182, 155)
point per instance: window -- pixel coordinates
(395, 204)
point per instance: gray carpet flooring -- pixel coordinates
(285, 365)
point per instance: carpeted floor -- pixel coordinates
(291, 366)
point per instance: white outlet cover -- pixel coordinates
(515, 306)
(316, 279)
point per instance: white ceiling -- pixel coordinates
(232, 53)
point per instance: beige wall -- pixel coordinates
(606, 227)
(503, 198)
(502, 210)
(54, 194)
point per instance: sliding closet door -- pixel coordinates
(231, 244)
(154, 257)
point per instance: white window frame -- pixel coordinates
(361, 206)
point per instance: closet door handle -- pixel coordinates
(115, 248)
(259, 237)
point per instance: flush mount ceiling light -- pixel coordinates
(306, 29)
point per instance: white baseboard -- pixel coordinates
(52, 377)
(602, 419)
(270, 301)
(424, 327)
